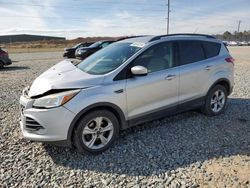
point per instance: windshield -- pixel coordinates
(95, 44)
(77, 45)
(108, 59)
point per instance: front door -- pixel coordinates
(159, 88)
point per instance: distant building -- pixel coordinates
(26, 38)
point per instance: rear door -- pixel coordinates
(195, 70)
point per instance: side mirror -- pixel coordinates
(139, 70)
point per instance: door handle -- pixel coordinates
(170, 77)
(119, 91)
(208, 67)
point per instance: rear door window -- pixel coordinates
(190, 52)
(212, 49)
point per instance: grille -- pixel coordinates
(32, 124)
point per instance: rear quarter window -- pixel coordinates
(212, 49)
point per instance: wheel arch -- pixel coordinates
(102, 105)
(224, 82)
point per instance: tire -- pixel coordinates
(90, 135)
(212, 101)
(1, 65)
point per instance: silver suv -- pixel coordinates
(129, 82)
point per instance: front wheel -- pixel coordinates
(1, 65)
(216, 100)
(96, 132)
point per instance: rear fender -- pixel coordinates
(216, 78)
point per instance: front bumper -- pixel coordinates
(45, 125)
(65, 54)
(231, 90)
(69, 54)
(6, 60)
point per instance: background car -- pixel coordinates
(82, 53)
(70, 52)
(243, 43)
(4, 58)
(232, 43)
(225, 43)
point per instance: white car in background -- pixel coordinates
(233, 43)
(225, 42)
(243, 43)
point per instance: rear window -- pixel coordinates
(190, 52)
(212, 49)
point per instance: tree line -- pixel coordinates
(235, 36)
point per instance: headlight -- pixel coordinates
(25, 91)
(81, 51)
(55, 100)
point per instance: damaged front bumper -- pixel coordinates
(44, 125)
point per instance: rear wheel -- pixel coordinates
(215, 101)
(96, 132)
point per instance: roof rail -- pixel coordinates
(177, 34)
(130, 37)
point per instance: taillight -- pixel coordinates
(230, 60)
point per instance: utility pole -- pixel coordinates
(168, 17)
(239, 26)
(237, 30)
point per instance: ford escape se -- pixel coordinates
(127, 83)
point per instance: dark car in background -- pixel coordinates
(4, 58)
(70, 52)
(83, 52)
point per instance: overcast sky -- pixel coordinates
(81, 18)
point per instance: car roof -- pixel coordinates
(101, 41)
(143, 39)
(151, 38)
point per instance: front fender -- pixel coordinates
(98, 97)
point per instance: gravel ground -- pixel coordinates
(186, 150)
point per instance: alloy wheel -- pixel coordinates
(97, 133)
(218, 101)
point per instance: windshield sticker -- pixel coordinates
(138, 44)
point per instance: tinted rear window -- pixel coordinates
(190, 52)
(212, 49)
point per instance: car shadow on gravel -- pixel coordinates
(13, 68)
(156, 147)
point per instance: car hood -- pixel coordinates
(63, 75)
